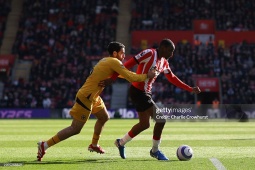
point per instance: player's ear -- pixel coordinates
(114, 54)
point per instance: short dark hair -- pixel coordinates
(167, 43)
(114, 46)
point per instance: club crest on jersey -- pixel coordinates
(83, 117)
(142, 53)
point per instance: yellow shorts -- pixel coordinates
(83, 107)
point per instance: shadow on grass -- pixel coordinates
(244, 139)
(81, 161)
(78, 161)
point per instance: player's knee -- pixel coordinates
(160, 124)
(104, 118)
(107, 118)
(145, 125)
(75, 130)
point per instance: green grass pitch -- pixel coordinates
(232, 143)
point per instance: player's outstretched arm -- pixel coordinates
(109, 81)
(133, 77)
(128, 64)
(196, 90)
(130, 76)
(177, 82)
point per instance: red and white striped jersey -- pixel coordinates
(148, 59)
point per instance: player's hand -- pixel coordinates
(196, 90)
(152, 73)
(106, 82)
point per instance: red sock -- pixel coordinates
(156, 137)
(130, 133)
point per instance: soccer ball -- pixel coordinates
(184, 153)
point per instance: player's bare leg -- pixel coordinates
(143, 124)
(65, 133)
(102, 117)
(156, 140)
(74, 129)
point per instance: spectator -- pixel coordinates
(62, 38)
(4, 11)
(229, 15)
(57, 37)
(46, 102)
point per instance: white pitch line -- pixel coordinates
(218, 165)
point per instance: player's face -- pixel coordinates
(121, 54)
(168, 52)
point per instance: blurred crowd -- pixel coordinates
(57, 36)
(66, 28)
(4, 11)
(234, 66)
(237, 15)
(60, 36)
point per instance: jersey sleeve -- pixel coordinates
(143, 56)
(175, 80)
(130, 76)
(128, 64)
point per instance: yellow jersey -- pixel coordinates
(104, 69)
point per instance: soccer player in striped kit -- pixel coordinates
(140, 94)
(88, 100)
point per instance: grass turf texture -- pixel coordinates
(232, 143)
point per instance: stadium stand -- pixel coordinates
(234, 67)
(4, 10)
(235, 15)
(61, 38)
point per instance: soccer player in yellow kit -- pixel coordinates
(88, 100)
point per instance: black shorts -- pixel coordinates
(140, 99)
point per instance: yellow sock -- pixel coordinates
(95, 139)
(52, 141)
